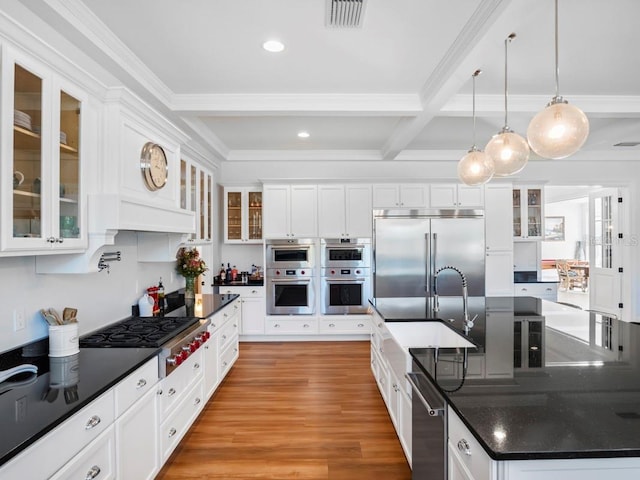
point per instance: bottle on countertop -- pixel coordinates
(228, 273)
(254, 270)
(234, 274)
(161, 298)
(222, 273)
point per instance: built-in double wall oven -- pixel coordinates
(345, 275)
(290, 277)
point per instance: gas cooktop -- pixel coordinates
(138, 332)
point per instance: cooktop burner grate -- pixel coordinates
(138, 332)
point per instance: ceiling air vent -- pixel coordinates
(345, 13)
(627, 144)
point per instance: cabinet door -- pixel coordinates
(277, 211)
(499, 340)
(386, 196)
(359, 221)
(528, 213)
(137, 439)
(253, 313)
(253, 229)
(498, 218)
(470, 196)
(304, 211)
(233, 206)
(414, 196)
(499, 273)
(210, 357)
(331, 211)
(443, 195)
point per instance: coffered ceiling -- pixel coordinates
(397, 87)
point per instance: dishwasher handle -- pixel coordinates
(434, 411)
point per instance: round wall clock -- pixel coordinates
(154, 166)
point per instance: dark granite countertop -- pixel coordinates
(558, 382)
(46, 406)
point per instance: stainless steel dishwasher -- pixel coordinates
(429, 429)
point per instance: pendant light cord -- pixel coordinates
(474, 75)
(557, 61)
(506, 42)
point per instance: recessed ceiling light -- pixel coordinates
(303, 134)
(627, 144)
(274, 46)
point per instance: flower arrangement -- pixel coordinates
(189, 263)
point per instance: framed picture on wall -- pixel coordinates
(554, 229)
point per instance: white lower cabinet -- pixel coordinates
(283, 325)
(466, 458)
(96, 461)
(174, 428)
(345, 324)
(544, 290)
(223, 345)
(252, 301)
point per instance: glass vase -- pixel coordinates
(189, 288)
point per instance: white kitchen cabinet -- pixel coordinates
(242, 215)
(174, 428)
(498, 240)
(45, 136)
(196, 195)
(224, 328)
(253, 308)
(210, 357)
(400, 411)
(137, 439)
(470, 461)
(344, 211)
(97, 460)
(451, 195)
(290, 211)
(528, 212)
(345, 324)
(406, 195)
(291, 325)
(499, 344)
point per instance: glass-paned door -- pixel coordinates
(605, 251)
(27, 154)
(69, 173)
(255, 216)
(234, 215)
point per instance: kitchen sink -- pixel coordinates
(426, 335)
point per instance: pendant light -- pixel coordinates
(560, 129)
(508, 150)
(476, 167)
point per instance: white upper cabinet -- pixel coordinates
(43, 117)
(290, 211)
(404, 196)
(344, 211)
(454, 195)
(196, 195)
(528, 212)
(242, 215)
(498, 217)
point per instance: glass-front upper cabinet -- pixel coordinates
(41, 153)
(196, 194)
(528, 213)
(243, 215)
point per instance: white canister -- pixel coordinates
(63, 340)
(145, 305)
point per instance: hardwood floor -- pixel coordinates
(303, 410)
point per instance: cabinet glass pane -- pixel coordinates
(209, 209)
(534, 220)
(203, 208)
(192, 193)
(517, 214)
(183, 184)
(69, 181)
(255, 215)
(234, 215)
(603, 228)
(27, 154)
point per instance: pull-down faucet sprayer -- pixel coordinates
(468, 324)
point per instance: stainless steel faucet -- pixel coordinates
(468, 324)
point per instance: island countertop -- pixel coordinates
(557, 382)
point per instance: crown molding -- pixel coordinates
(304, 155)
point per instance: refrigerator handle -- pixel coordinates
(427, 266)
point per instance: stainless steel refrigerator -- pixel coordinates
(410, 246)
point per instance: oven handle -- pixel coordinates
(345, 280)
(291, 280)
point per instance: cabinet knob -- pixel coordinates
(172, 432)
(141, 383)
(92, 422)
(92, 473)
(332, 324)
(464, 447)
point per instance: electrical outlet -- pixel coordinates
(21, 409)
(18, 319)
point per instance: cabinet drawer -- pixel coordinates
(245, 292)
(136, 385)
(173, 388)
(467, 449)
(540, 290)
(346, 325)
(96, 461)
(174, 428)
(288, 326)
(228, 357)
(61, 444)
(229, 331)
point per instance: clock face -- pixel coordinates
(153, 163)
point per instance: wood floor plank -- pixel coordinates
(293, 410)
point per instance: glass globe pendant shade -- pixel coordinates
(558, 131)
(475, 168)
(509, 152)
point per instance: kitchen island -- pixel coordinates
(557, 394)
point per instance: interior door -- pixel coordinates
(605, 252)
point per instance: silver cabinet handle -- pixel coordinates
(92, 423)
(171, 392)
(464, 447)
(141, 383)
(306, 325)
(159, 392)
(277, 325)
(59, 240)
(172, 432)
(224, 364)
(254, 291)
(196, 366)
(360, 325)
(332, 324)
(224, 337)
(197, 401)
(92, 473)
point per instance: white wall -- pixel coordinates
(575, 226)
